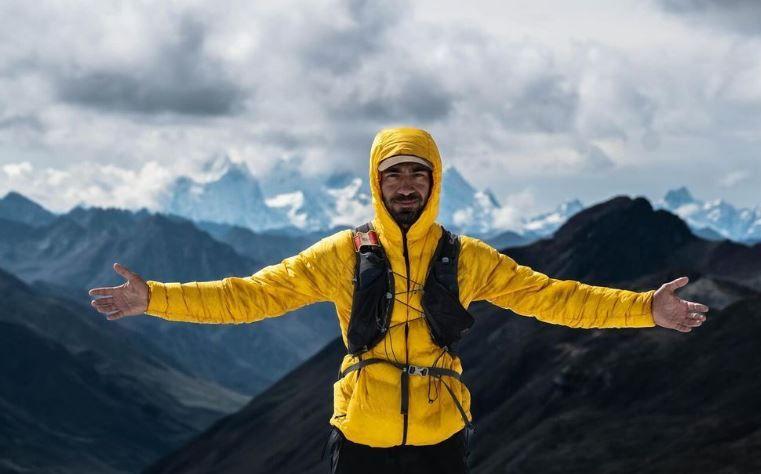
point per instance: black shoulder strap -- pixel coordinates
(446, 257)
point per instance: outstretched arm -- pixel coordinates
(297, 281)
(501, 281)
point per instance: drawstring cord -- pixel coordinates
(437, 383)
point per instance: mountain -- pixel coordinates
(76, 250)
(16, 207)
(267, 248)
(287, 199)
(714, 217)
(82, 395)
(235, 197)
(547, 223)
(551, 399)
(623, 239)
(463, 209)
(508, 238)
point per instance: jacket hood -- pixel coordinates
(404, 141)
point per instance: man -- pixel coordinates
(386, 419)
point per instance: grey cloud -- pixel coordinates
(418, 97)
(546, 104)
(742, 16)
(596, 159)
(179, 80)
(342, 50)
(289, 140)
(30, 122)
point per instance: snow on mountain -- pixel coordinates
(231, 196)
(463, 208)
(226, 192)
(717, 215)
(547, 223)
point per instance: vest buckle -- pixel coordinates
(417, 370)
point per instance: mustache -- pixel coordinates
(416, 197)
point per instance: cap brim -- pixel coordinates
(395, 160)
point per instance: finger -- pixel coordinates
(692, 306)
(115, 315)
(104, 309)
(102, 291)
(697, 316)
(102, 302)
(682, 328)
(124, 271)
(104, 299)
(110, 306)
(693, 321)
(678, 283)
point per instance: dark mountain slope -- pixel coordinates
(624, 239)
(76, 250)
(79, 395)
(17, 207)
(282, 430)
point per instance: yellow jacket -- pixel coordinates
(367, 402)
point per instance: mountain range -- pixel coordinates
(286, 200)
(550, 399)
(289, 202)
(72, 252)
(715, 219)
(81, 395)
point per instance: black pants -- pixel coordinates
(448, 457)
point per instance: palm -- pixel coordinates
(128, 299)
(672, 312)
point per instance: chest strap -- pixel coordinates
(409, 369)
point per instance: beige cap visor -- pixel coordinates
(395, 160)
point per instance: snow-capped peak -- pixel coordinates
(717, 214)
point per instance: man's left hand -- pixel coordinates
(670, 311)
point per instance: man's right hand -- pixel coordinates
(127, 299)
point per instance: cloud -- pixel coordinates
(88, 183)
(16, 170)
(740, 16)
(577, 105)
(30, 122)
(179, 78)
(733, 178)
(341, 41)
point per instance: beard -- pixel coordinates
(405, 217)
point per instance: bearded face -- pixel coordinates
(405, 188)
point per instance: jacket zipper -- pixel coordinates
(405, 375)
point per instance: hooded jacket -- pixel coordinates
(366, 403)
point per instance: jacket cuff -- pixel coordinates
(641, 314)
(157, 298)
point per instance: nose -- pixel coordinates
(405, 185)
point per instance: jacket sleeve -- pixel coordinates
(306, 278)
(498, 279)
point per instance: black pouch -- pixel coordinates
(468, 432)
(371, 306)
(333, 447)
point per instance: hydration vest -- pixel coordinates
(373, 302)
(373, 298)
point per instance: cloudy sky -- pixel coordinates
(106, 102)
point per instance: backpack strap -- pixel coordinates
(446, 258)
(372, 302)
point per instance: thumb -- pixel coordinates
(124, 271)
(678, 283)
